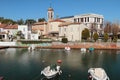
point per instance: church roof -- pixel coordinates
(67, 17)
(40, 23)
(37, 28)
(67, 23)
(57, 20)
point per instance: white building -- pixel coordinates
(90, 20)
(7, 31)
(24, 30)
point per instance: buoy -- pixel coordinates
(59, 61)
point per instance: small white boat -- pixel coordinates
(67, 48)
(31, 48)
(97, 74)
(83, 49)
(51, 71)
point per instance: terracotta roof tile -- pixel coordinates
(6, 26)
(3, 25)
(11, 27)
(37, 28)
(40, 23)
(67, 23)
(57, 20)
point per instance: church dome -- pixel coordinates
(50, 9)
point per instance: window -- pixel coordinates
(65, 29)
(81, 19)
(88, 19)
(74, 20)
(60, 30)
(71, 29)
(85, 19)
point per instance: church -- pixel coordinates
(70, 27)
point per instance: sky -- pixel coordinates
(34, 9)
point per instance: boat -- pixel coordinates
(91, 49)
(31, 48)
(83, 49)
(2, 78)
(67, 48)
(97, 74)
(51, 71)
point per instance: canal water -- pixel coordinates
(21, 64)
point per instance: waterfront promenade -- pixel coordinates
(59, 45)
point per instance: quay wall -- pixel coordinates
(59, 45)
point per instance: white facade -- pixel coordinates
(73, 31)
(53, 26)
(24, 29)
(89, 19)
(34, 36)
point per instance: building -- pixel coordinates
(72, 31)
(72, 26)
(8, 31)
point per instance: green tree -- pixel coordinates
(30, 21)
(1, 19)
(20, 22)
(95, 36)
(106, 37)
(115, 39)
(85, 34)
(8, 21)
(41, 20)
(20, 34)
(64, 40)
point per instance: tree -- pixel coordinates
(95, 36)
(30, 21)
(108, 27)
(20, 34)
(115, 39)
(8, 21)
(115, 29)
(41, 20)
(106, 37)
(20, 22)
(93, 29)
(85, 34)
(64, 40)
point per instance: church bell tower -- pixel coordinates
(50, 14)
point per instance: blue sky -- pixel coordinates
(34, 9)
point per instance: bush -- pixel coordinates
(64, 40)
(106, 37)
(95, 36)
(115, 39)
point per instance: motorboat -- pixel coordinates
(97, 74)
(51, 71)
(83, 49)
(67, 48)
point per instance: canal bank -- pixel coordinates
(59, 45)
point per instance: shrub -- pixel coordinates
(64, 40)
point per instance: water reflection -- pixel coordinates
(24, 65)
